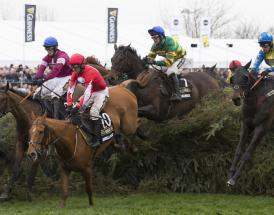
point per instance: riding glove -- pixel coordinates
(74, 110)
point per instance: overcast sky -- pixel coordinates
(260, 12)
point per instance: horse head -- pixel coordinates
(241, 81)
(38, 133)
(126, 61)
(5, 106)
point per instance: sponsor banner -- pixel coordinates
(112, 25)
(205, 30)
(30, 13)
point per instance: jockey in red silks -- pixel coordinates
(58, 63)
(96, 94)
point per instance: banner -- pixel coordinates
(30, 13)
(112, 25)
(205, 30)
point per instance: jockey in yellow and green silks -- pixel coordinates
(265, 54)
(173, 53)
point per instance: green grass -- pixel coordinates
(145, 204)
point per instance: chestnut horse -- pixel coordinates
(153, 89)
(257, 115)
(71, 147)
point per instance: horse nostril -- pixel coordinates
(33, 156)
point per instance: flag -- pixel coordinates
(112, 25)
(205, 31)
(30, 12)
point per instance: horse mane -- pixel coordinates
(128, 49)
(93, 60)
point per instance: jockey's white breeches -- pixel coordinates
(54, 87)
(98, 101)
(175, 67)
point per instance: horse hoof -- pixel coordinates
(230, 182)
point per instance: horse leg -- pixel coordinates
(31, 178)
(244, 134)
(15, 170)
(87, 174)
(259, 132)
(148, 111)
(65, 186)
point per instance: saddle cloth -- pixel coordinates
(107, 131)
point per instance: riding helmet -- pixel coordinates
(235, 64)
(50, 41)
(77, 59)
(265, 37)
(157, 30)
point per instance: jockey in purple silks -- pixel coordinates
(53, 83)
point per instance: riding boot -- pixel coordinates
(176, 94)
(96, 138)
(93, 131)
(48, 107)
(56, 108)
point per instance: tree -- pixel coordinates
(246, 30)
(190, 17)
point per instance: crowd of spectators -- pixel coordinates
(22, 76)
(18, 76)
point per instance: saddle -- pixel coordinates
(185, 87)
(106, 132)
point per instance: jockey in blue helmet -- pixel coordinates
(266, 54)
(172, 51)
(57, 62)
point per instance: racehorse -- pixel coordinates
(19, 107)
(73, 152)
(257, 115)
(91, 60)
(153, 89)
(16, 104)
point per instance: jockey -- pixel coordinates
(59, 74)
(266, 53)
(235, 64)
(95, 94)
(173, 53)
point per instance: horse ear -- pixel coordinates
(128, 45)
(115, 47)
(33, 116)
(213, 67)
(44, 115)
(247, 65)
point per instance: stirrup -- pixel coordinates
(175, 97)
(95, 144)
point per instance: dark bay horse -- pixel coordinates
(16, 103)
(152, 87)
(257, 115)
(71, 147)
(11, 102)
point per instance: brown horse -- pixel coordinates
(91, 60)
(71, 147)
(15, 104)
(153, 89)
(257, 115)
